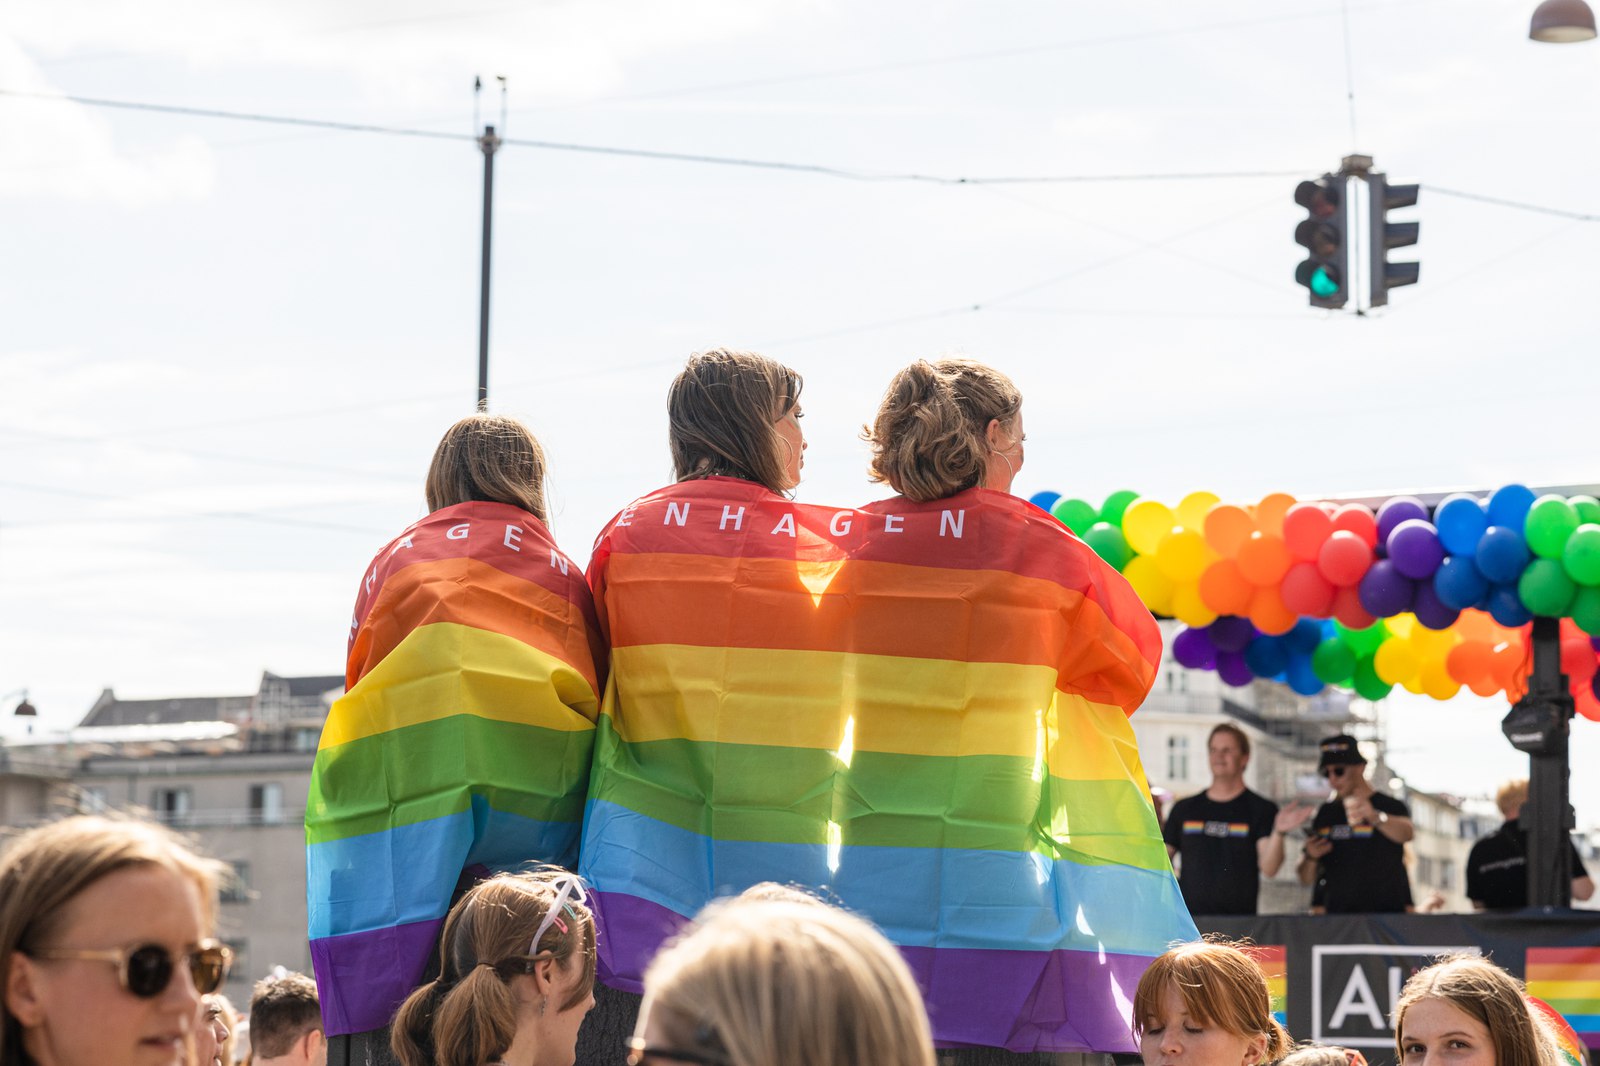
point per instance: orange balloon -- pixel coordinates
(1264, 559)
(1227, 528)
(1475, 625)
(1270, 512)
(1269, 614)
(1510, 667)
(1224, 589)
(1468, 662)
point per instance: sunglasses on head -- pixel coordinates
(146, 969)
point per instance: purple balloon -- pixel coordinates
(1193, 649)
(1396, 510)
(1233, 670)
(1231, 633)
(1414, 548)
(1430, 610)
(1385, 591)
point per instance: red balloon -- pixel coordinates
(1345, 558)
(1578, 661)
(1348, 610)
(1358, 519)
(1305, 590)
(1305, 527)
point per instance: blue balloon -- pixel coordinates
(1395, 510)
(1384, 591)
(1461, 520)
(1305, 636)
(1267, 656)
(1502, 554)
(1430, 610)
(1458, 582)
(1505, 607)
(1509, 504)
(1302, 678)
(1044, 500)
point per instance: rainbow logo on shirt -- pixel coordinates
(1568, 979)
(1274, 962)
(1193, 828)
(1238, 829)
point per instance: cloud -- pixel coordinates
(57, 150)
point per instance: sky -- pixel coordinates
(228, 348)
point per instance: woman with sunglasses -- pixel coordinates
(1206, 1004)
(768, 979)
(516, 978)
(1466, 1011)
(105, 945)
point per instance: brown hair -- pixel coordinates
(282, 1011)
(1480, 989)
(219, 1004)
(1219, 985)
(930, 437)
(490, 459)
(47, 866)
(1233, 731)
(762, 980)
(468, 1016)
(722, 412)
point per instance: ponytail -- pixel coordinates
(930, 437)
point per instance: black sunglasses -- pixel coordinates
(639, 1054)
(146, 970)
(1335, 771)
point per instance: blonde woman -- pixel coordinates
(1206, 1004)
(1466, 1011)
(517, 978)
(771, 980)
(105, 945)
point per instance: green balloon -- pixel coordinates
(1588, 508)
(1333, 662)
(1546, 589)
(1116, 503)
(1076, 515)
(1363, 641)
(1108, 543)
(1551, 520)
(1581, 556)
(1586, 611)
(1369, 686)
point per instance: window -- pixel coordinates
(1425, 869)
(266, 803)
(1178, 758)
(241, 959)
(236, 885)
(92, 799)
(1447, 874)
(171, 804)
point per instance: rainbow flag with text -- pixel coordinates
(462, 744)
(920, 710)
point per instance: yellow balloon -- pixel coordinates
(1437, 682)
(1144, 523)
(1193, 508)
(1433, 644)
(1183, 555)
(1153, 587)
(1396, 661)
(1413, 684)
(1189, 608)
(1402, 625)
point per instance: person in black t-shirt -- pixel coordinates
(1357, 839)
(1226, 837)
(1497, 867)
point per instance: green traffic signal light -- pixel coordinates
(1323, 234)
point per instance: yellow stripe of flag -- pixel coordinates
(446, 669)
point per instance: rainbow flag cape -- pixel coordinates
(462, 743)
(921, 710)
(1567, 980)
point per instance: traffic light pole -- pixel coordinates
(1540, 724)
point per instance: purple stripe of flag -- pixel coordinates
(362, 978)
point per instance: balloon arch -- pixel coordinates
(1318, 593)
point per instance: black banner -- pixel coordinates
(1336, 977)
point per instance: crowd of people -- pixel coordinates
(107, 959)
(763, 784)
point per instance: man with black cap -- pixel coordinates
(1357, 838)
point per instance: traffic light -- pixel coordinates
(1386, 235)
(1326, 273)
